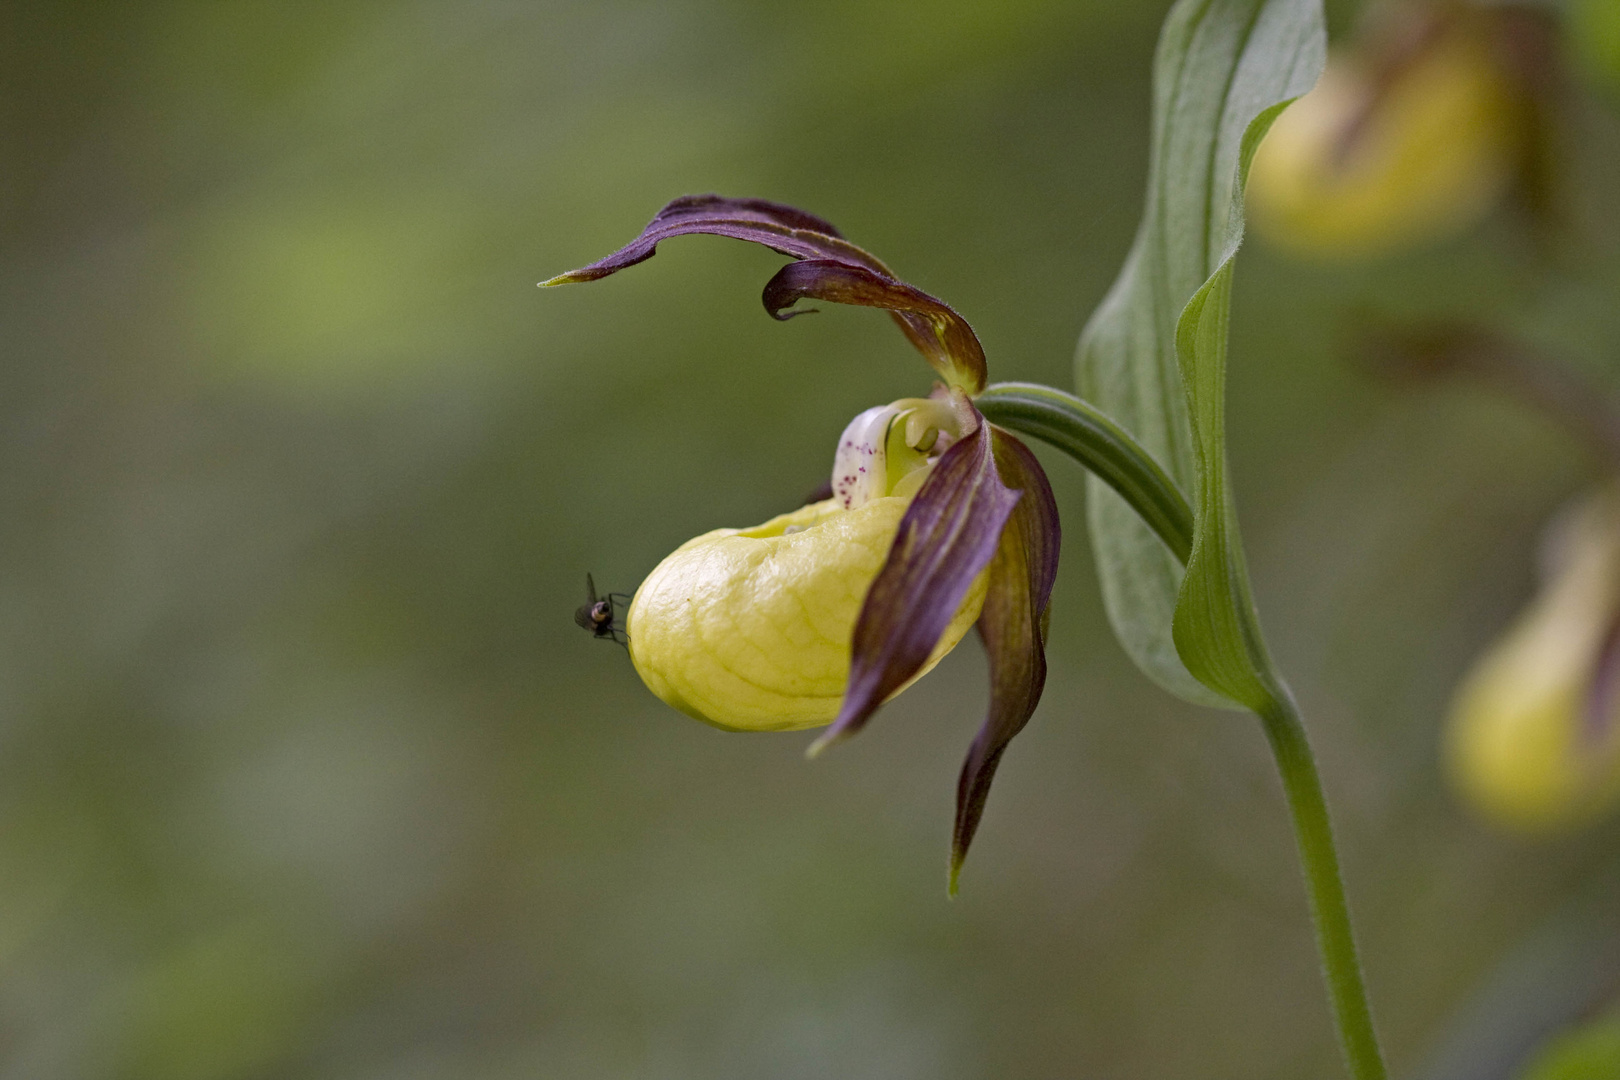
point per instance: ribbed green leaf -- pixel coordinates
(1154, 355)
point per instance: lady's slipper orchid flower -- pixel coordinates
(938, 521)
(1534, 740)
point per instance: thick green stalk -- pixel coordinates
(1092, 438)
(1330, 911)
(1096, 442)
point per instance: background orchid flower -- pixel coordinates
(939, 520)
(1534, 738)
(1412, 134)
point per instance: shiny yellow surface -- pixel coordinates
(1434, 153)
(749, 629)
(1525, 747)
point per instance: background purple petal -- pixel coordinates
(1013, 627)
(947, 536)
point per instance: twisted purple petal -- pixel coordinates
(1013, 628)
(944, 338)
(947, 536)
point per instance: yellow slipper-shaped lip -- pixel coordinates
(750, 629)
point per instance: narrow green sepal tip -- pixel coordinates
(560, 279)
(955, 877)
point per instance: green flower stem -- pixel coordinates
(1102, 446)
(1089, 436)
(1330, 911)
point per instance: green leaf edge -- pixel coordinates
(1214, 654)
(1216, 627)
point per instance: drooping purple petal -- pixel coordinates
(1013, 628)
(948, 535)
(845, 274)
(944, 338)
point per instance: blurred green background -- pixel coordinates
(305, 770)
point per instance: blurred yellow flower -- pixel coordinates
(1534, 736)
(1396, 145)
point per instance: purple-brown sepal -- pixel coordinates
(1012, 625)
(948, 535)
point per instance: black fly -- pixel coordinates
(597, 614)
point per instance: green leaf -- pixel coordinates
(1154, 355)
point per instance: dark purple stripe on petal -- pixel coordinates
(784, 229)
(947, 536)
(943, 337)
(1013, 627)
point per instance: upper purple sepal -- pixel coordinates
(834, 270)
(784, 229)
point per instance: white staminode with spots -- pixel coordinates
(861, 467)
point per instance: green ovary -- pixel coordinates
(750, 629)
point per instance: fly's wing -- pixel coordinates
(582, 618)
(590, 592)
